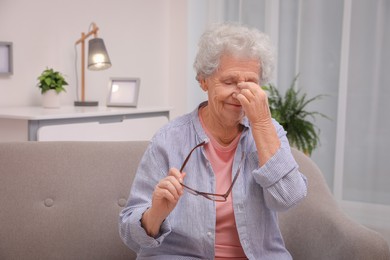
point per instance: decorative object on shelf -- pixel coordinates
(97, 60)
(51, 99)
(51, 84)
(290, 111)
(123, 92)
(6, 60)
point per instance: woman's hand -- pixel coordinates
(167, 192)
(254, 101)
(165, 197)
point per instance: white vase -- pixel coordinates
(51, 99)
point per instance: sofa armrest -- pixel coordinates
(317, 228)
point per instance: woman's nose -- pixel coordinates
(236, 88)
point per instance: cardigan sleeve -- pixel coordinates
(149, 172)
(283, 185)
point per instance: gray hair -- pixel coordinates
(235, 40)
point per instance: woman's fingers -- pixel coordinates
(170, 187)
(252, 92)
(177, 174)
(254, 101)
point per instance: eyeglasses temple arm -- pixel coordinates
(189, 155)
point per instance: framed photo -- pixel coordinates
(6, 61)
(123, 92)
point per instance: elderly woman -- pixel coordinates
(211, 182)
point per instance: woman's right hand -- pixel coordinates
(165, 197)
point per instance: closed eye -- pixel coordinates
(253, 81)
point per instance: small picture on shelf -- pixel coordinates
(123, 92)
(6, 62)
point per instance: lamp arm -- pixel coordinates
(97, 60)
(84, 36)
(82, 41)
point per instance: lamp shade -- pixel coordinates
(97, 55)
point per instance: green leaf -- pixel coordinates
(50, 79)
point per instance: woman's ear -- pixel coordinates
(203, 84)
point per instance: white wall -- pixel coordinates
(144, 38)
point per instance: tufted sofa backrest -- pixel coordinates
(61, 200)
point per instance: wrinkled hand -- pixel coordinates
(254, 101)
(165, 197)
(167, 193)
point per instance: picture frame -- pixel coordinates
(123, 92)
(6, 59)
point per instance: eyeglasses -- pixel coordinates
(210, 196)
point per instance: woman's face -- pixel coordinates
(223, 83)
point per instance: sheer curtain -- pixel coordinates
(367, 140)
(309, 45)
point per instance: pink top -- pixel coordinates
(227, 242)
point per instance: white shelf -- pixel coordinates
(40, 113)
(70, 123)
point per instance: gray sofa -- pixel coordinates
(61, 200)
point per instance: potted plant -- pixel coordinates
(51, 84)
(290, 111)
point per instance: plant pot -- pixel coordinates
(51, 99)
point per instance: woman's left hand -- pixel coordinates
(254, 101)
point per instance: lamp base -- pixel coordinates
(86, 103)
